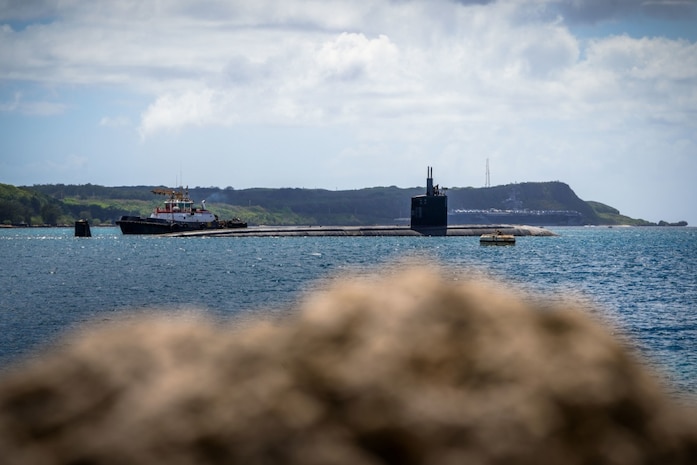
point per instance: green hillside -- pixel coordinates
(62, 204)
(609, 215)
(21, 206)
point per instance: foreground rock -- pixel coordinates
(415, 367)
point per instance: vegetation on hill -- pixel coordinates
(609, 215)
(21, 206)
(62, 204)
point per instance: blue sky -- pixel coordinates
(344, 95)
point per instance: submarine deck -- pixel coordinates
(454, 230)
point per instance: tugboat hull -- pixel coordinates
(138, 225)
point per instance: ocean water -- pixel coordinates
(642, 281)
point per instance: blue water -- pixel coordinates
(642, 280)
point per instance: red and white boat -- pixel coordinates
(177, 214)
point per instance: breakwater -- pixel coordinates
(303, 231)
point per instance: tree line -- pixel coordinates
(53, 204)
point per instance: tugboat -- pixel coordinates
(178, 214)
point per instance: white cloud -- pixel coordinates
(115, 121)
(303, 83)
(19, 104)
(334, 62)
(174, 111)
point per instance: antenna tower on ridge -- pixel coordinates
(487, 182)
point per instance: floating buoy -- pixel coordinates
(497, 238)
(82, 229)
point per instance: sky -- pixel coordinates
(345, 94)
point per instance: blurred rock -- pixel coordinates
(413, 367)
